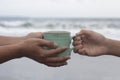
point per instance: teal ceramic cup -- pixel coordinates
(62, 38)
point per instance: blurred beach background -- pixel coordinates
(20, 17)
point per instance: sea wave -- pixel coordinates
(59, 24)
(24, 26)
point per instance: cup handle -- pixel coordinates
(71, 49)
(73, 37)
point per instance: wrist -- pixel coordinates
(16, 40)
(105, 46)
(112, 46)
(108, 46)
(17, 51)
(9, 52)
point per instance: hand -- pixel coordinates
(90, 43)
(34, 35)
(34, 49)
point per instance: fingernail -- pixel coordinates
(55, 44)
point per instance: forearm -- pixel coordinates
(9, 52)
(114, 47)
(10, 40)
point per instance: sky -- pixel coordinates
(61, 8)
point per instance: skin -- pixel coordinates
(32, 46)
(6, 40)
(91, 43)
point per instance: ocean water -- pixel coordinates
(78, 68)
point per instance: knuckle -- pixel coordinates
(39, 34)
(83, 31)
(38, 41)
(31, 40)
(28, 41)
(42, 56)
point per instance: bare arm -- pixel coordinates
(6, 40)
(113, 47)
(91, 43)
(33, 49)
(8, 52)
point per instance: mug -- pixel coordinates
(62, 38)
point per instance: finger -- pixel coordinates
(51, 64)
(75, 43)
(56, 64)
(73, 37)
(77, 48)
(84, 32)
(54, 52)
(46, 43)
(83, 38)
(82, 52)
(77, 38)
(40, 34)
(56, 59)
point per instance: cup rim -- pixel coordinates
(58, 32)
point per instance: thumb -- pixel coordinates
(46, 43)
(40, 34)
(84, 32)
